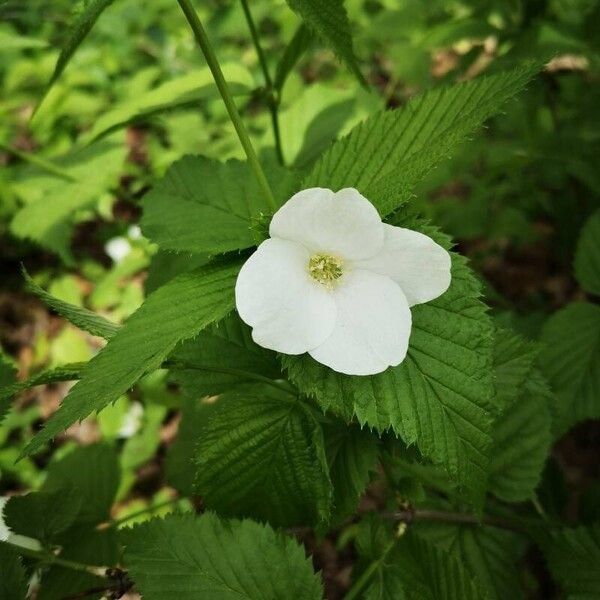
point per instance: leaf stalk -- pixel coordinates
(234, 115)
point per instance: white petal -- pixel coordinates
(274, 294)
(343, 223)
(372, 327)
(413, 260)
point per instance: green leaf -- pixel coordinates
(185, 90)
(291, 55)
(415, 569)
(489, 554)
(189, 557)
(522, 431)
(175, 312)
(13, 583)
(351, 455)
(570, 359)
(385, 156)
(166, 265)
(63, 373)
(522, 439)
(93, 472)
(80, 317)
(514, 358)
(8, 373)
(587, 256)
(81, 27)
(206, 206)
(439, 397)
(180, 469)
(261, 454)
(573, 557)
(226, 345)
(48, 216)
(42, 515)
(329, 21)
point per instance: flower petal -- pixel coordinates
(372, 327)
(274, 294)
(414, 261)
(344, 223)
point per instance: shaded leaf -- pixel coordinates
(570, 358)
(260, 454)
(587, 256)
(13, 583)
(189, 557)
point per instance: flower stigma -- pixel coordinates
(325, 268)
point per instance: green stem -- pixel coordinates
(213, 65)
(367, 574)
(272, 100)
(46, 165)
(149, 509)
(49, 558)
(281, 386)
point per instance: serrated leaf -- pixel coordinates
(63, 373)
(570, 358)
(189, 557)
(573, 557)
(221, 354)
(489, 554)
(386, 155)
(522, 430)
(175, 312)
(329, 21)
(587, 256)
(415, 569)
(13, 583)
(81, 27)
(166, 265)
(206, 206)
(522, 439)
(80, 317)
(8, 374)
(514, 358)
(351, 455)
(261, 454)
(439, 397)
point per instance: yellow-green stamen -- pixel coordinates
(326, 269)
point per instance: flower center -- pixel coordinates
(326, 269)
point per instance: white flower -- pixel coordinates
(336, 282)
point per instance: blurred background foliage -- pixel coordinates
(137, 96)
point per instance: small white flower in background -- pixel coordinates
(335, 281)
(117, 248)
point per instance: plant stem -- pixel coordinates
(417, 514)
(368, 573)
(272, 100)
(42, 163)
(281, 386)
(49, 558)
(213, 65)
